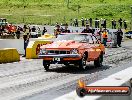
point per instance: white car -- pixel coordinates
(128, 34)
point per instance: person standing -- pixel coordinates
(18, 32)
(66, 30)
(57, 31)
(90, 21)
(125, 24)
(26, 37)
(87, 29)
(120, 22)
(76, 22)
(86, 21)
(71, 22)
(44, 31)
(96, 23)
(102, 22)
(100, 33)
(105, 23)
(119, 37)
(83, 22)
(112, 23)
(105, 37)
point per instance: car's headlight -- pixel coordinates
(42, 51)
(74, 51)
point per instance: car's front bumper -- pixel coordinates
(60, 56)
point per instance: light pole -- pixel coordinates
(131, 17)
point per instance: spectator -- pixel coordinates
(119, 37)
(100, 33)
(125, 24)
(102, 22)
(86, 21)
(90, 21)
(105, 37)
(57, 31)
(87, 29)
(104, 26)
(66, 30)
(44, 31)
(76, 22)
(114, 22)
(83, 22)
(33, 29)
(26, 37)
(18, 32)
(120, 22)
(71, 22)
(96, 23)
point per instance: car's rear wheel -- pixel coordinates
(46, 65)
(82, 62)
(98, 62)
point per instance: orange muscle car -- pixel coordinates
(73, 48)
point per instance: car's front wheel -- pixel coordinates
(82, 62)
(99, 61)
(46, 65)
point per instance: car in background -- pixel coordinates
(3, 22)
(128, 34)
(73, 48)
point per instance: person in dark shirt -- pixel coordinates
(112, 23)
(119, 37)
(66, 30)
(83, 21)
(125, 25)
(33, 29)
(105, 23)
(87, 29)
(120, 22)
(90, 21)
(57, 31)
(44, 31)
(18, 32)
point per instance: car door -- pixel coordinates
(91, 48)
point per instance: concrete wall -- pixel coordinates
(13, 43)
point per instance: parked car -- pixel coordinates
(128, 34)
(73, 48)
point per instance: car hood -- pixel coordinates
(63, 44)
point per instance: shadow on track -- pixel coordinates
(75, 70)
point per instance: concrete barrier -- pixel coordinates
(121, 78)
(8, 55)
(19, 43)
(34, 48)
(13, 43)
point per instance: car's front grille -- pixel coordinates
(58, 52)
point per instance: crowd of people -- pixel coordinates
(99, 23)
(18, 30)
(103, 33)
(26, 30)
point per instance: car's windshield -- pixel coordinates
(76, 37)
